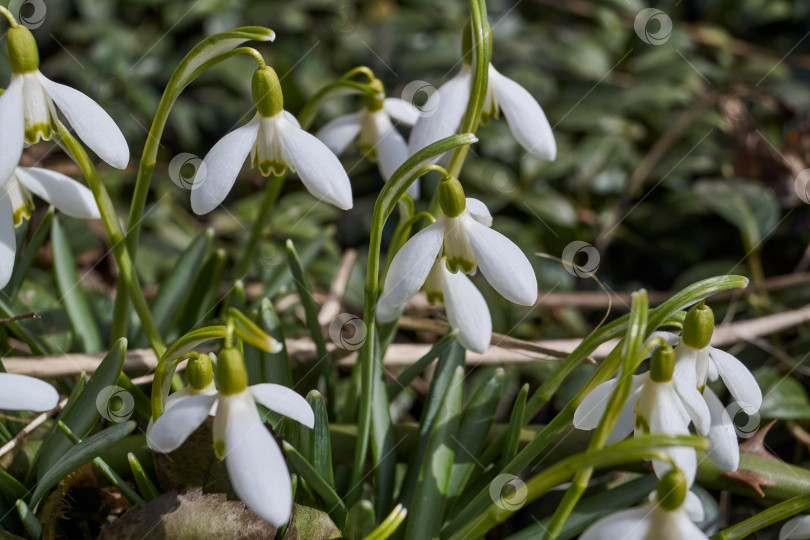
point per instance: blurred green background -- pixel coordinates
(680, 150)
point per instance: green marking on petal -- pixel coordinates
(34, 133)
(268, 167)
(454, 264)
(435, 297)
(641, 423)
(219, 449)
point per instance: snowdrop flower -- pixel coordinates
(200, 375)
(668, 516)
(255, 464)
(465, 305)
(653, 406)
(797, 528)
(525, 117)
(275, 142)
(375, 133)
(64, 193)
(24, 393)
(28, 110)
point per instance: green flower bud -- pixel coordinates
(467, 44)
(671, 490)
(451, 196)
(231, 372)
(200, 371)
(698, 326)
(22, 50)
(374, 103)
(662, 363)
(267, 93)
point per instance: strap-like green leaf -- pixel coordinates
(333, 503)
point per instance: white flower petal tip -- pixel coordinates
(284, 401)
(447, 106)
(256, 466)
(410, 267)
(740, 382)
(23, 393)
(179, 421)
(479, 211)
(503, 264)
(401, 110)
(723, 447)
(67, 195)
(466, 310)
(317, 167)
(92, 123)
(338, 134)
(589, 413)
(526, 118)
(797, 528)
(12, 128)
(220, 167)
(8, 239)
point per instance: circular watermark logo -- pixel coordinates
(423, 96)
(499, 179)
(348, 331)
(653, 26)
(29, 13)
(573, 252)
(745, 418)
(115, 404)
(345, 19)
(108, 89)
(508, 492)
(187, 171)
(802, 185)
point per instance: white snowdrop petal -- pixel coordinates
(693, 507)
(632, 524)
(8, 241)
(92, 123)
(317, 167)
(256, 466)
(670, 338)
(627, 417)
(411, 265)
(12, 128)
(695, 406)
(526, 118)
(684, 528)
(23, 393)
(392, 151)
(797, 528)
(479, 211)
(665, 418)
(220, 167)
(503, 264)
(284, 401)
(401, 110)
(723, 447)
(466, 310)
(739, 381)
(444, 112)
(65, 194)
(178, 422)
(590, 411)
(338, 134)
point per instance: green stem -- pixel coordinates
(310, 108)
(631, 358)
(116, 237)
(271, 194)
(767, 517)
(7, 14)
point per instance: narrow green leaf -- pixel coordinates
(333, 503)
(476, 422)
(281, 275)
(389, 525)
(12, 488)
(26, 258)
(316, 441)
(512, 440)
(79, 455)
(72, 293)
(29, 520)
(142, 480)
(18, 330)
(204, 294)
(406, 377)
(382, 435)
(430, 496)
(273, 367)
(85, 411)
(360, 521)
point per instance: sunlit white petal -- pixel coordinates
(632, 524)
(625, 422)
(723, 447)
(693, 507)
(450, 102)
(401, 110)
(67, 195)
(590, 411)
(284, 401)
(739, 381)
(479, 211)
(23, 393)
(338, 134)
(8, 241)
(92, 123)
(178, 422)
(503, 264)
(215, 178)
(466, 310)
(12, 128)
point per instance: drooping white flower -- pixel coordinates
(379, 140)
(24, 393)
(255, 464)
(525, 117)
(64, 193)
(723, 447)
(669, 515)
(463, 235)
(28, 110)
(797, 528)
(653, 406)
(465, 306)
(275, 141)
(200, 374)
